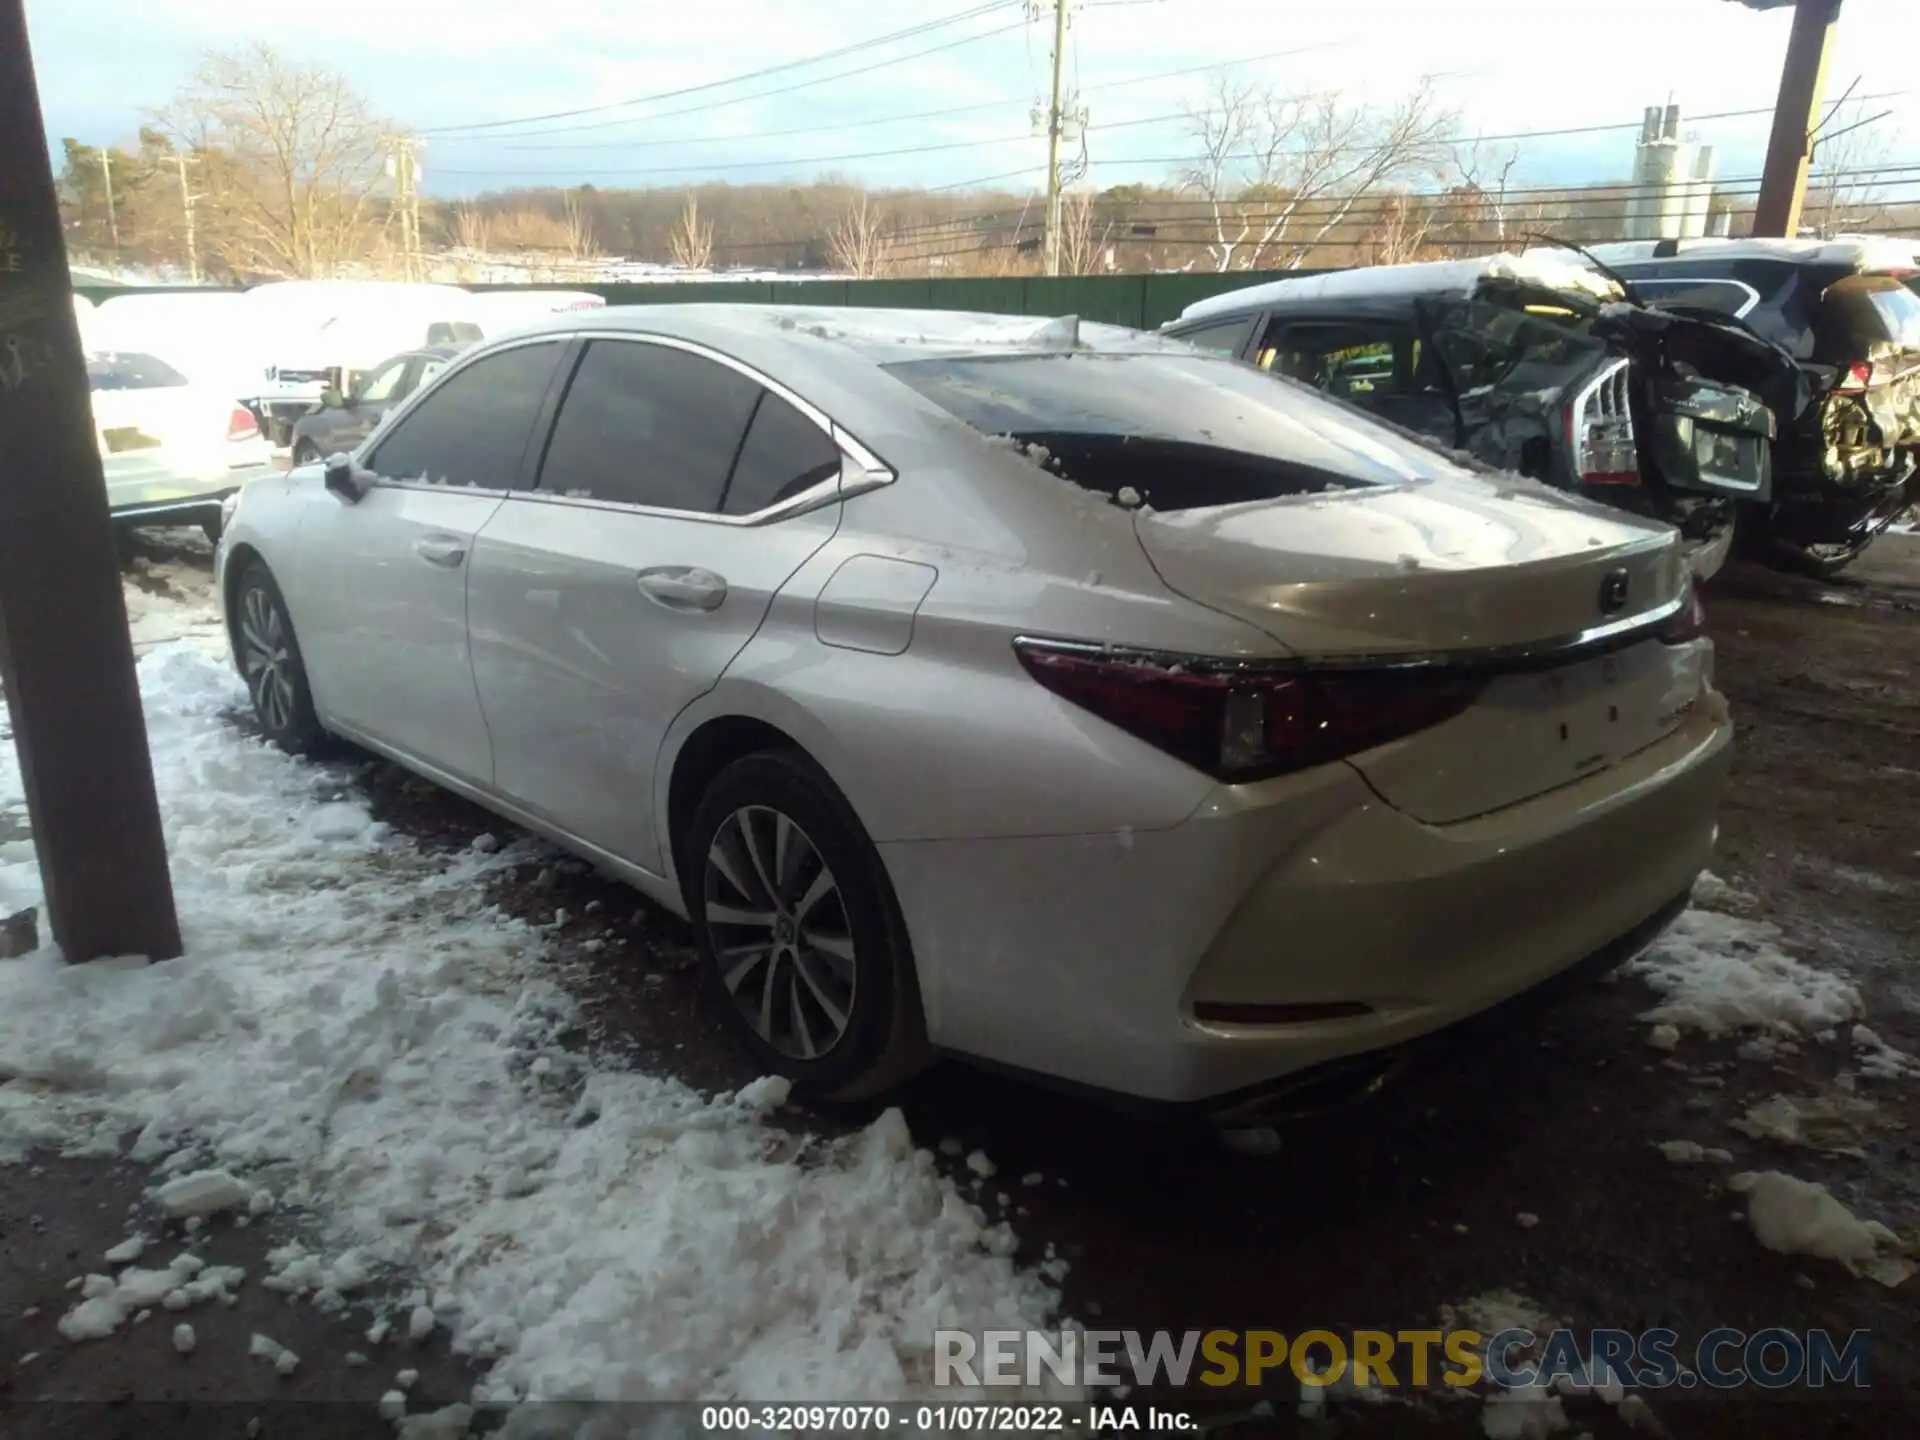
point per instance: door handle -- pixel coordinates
(679, 587)
(441, 550)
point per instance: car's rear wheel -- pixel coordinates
(802, 944)
(270, 663)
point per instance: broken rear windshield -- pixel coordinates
(1182, 430)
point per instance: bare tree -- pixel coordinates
(1399, 232)
(1849, 151)
(576, 227)
(858, 239)
(1083, 239)
(290, 157)
(473, 229)
(692, 243)
(1482, 178)
(1280, 172)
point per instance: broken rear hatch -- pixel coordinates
(1355, 548)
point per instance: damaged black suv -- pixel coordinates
(1847, 311)
(1537, 364)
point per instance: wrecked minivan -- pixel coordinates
(1847, 312)
(1536, 364)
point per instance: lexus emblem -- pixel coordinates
(1613, 592)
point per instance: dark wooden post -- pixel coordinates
(1783, 179)
(66, 656)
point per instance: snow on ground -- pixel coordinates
(1798, 1217)
(356, 1032)
(1718, 973)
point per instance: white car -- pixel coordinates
(1056, 695)
(172, 450)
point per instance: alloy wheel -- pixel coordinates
(266, 658)
(780, 932)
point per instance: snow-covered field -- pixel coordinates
(357, 1036)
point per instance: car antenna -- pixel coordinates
(1626, 285)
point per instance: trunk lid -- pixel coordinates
(1461, 573)
(1463, 564)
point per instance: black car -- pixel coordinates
(1533, 364)
(1848, 312)
(340, 422)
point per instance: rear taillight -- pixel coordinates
(1600, 430)
(1239, 723)
(1857, 381)
(1689, 622)
(241, 425)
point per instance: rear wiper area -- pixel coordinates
(1177, 474)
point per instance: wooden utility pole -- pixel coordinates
(406, 200)
(66, 656)
(1056, 124)
(186, 205)
(1803, 78)
(113, 218)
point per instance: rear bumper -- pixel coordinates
(1082, 957)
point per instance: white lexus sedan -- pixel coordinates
(1054, 695)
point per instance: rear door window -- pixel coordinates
(1728, 297)
(474, 429)
(648, 424)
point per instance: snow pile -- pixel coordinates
(1833, 1122)
(354, 1024)
(1526, 1412)
(1799, 1217)
(1879, 1060)
(1720, 973)
(106, 1303)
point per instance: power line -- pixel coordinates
(711, 105)
(908, 33)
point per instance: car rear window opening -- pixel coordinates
(1180, 431)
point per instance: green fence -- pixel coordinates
(1142, 301)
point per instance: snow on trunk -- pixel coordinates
(354, 1027)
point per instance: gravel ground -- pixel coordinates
(1374, 1217)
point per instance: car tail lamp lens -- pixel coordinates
(1242, 724)
(241, 425)
(1689, 622)
(1857, 381)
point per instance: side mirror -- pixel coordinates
(332, 399)
(346, 480)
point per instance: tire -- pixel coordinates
(305, 454)
(830, 957)
(270, 663)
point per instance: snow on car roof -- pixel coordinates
(1860, 252)
(1542, 267)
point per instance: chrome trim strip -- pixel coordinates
(872, 472)
(1530, 654)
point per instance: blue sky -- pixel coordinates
(103, 63)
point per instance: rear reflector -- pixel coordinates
(1241, 723)
(241, 425)
(1220, 1014)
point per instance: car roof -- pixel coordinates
(878, 336)
(1853, 252)
(1375, 283)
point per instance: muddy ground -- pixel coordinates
(1372, 1218)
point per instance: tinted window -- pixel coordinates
(1228, 337)
(130, 372)
(648, 425)
(785, 454)
(473, 430)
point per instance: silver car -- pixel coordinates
(1055, 695)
